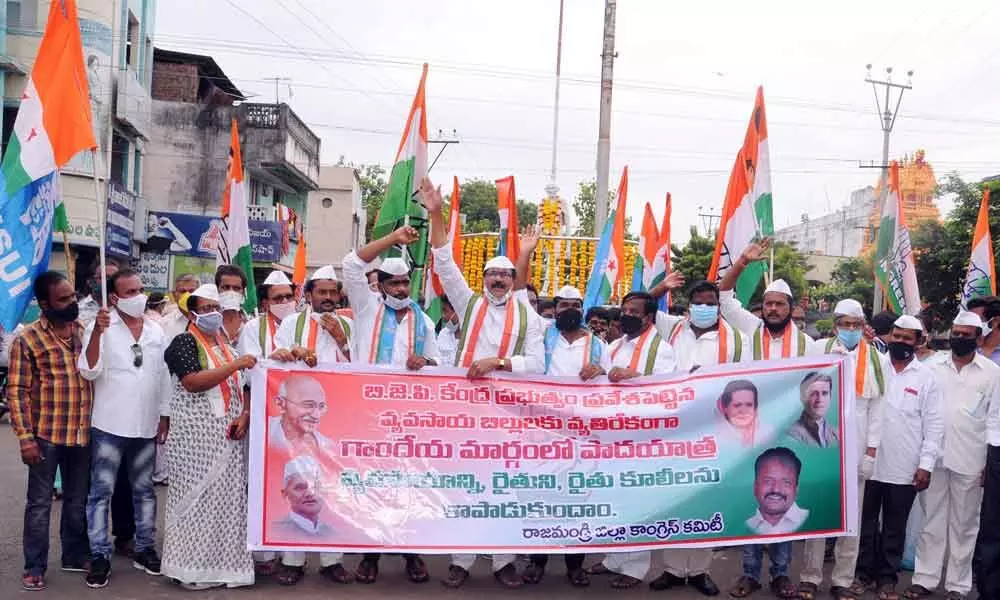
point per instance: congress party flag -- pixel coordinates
(234, 246)
(434, 289)
(981, 278)
(894, 266)
(508, 243)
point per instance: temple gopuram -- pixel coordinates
(916, 185)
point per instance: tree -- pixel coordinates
(479, 205)
(585, 207)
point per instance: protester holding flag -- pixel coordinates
(871, 368)
(401, 336)
(498, 333)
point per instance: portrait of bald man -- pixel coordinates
(302, 403)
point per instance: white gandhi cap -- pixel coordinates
(208, 291)
(968, 319)
(277, 278)
(779, 286)
(499, 262)
(326, 272)
(849, 307)
(568, 292)
(909, 322)
(394, 266)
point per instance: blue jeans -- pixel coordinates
(75, 466)
(753, 559)
(108, 452)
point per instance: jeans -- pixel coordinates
(108, 453)
(753, 559)
(122, 511)
(74, 462)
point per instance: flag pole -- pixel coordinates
(101, 229)
(70, 261)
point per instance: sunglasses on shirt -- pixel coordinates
(136, 355)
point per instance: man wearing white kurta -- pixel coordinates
(951, 503)
(912, 420)
(868, 378)
(277, 301)
(640, 352)
(498, 333)
(315, 335)
(393, 331)
(773, 337)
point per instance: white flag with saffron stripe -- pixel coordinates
(894, 265)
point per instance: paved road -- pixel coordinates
(128, 584)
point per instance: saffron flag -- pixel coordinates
(649, 237)
(508, 244)
(434, 290)
(400, 206)
(608, 268)
(747, 214)
(894, 266)
(981, 278)
(664, 253)
(234, 246)
(53, 121)
(299, 271)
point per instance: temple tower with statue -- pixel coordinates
(916, 186)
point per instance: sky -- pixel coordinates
(684, 84)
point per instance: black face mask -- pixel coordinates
(631, 324)
(67, 314)
(569, 320)
(900, 351)
(962, 346)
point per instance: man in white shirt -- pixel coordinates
(317, 333)
(175, 319)
(640, 352)
(499, 333)
(123, 356)
(913, 422)
(232, 284)
(848, 328)
(277, 302)
(300, 489)
(447, 339)
(397, 333)
(951, 504)
(775, 486)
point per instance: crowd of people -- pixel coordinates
(154, 389)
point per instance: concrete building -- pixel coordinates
(337, 217)
(117, 38)
(841, 233)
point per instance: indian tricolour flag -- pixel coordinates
(981, 278)
(400, 206)
(608, 260)
(53, 121)
(747, 213)
(234, 246)
(508, 242)
(894, 266)
(433, 289)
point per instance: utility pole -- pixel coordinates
(708, 219)
(277, 81)
(604, 130)
(887, 119)
(552, 190)
(444, 142)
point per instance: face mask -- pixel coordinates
(230, 300)
(900, 351)
(498, 301)
(396, 303)
(704, 316)
(282, 309)
(134, 306)
(569, 320)
(962, 346)
(67, 314)
(209, 322)
(850, 338)
(631, 324)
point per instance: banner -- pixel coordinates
(121, 221)
(383, 460)
(197, 235)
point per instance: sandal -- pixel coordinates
(887, 591)
(533, 573)
(33, 583)
(744, 587)
(336, 574)
(508, 578)
(367, 571)
(916, 591)
(456, 577)
(860, 587)
(599, 569)
(578, 578)
(954, 596)
(782, 587)
(808, 590)
(289, 575)
(416, 570)
(842, 593)
(624, 582)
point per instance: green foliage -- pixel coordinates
(824, 326)
(585, 207)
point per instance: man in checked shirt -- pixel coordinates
(50, 405)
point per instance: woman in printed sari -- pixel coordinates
(739, 407)
(206, 520)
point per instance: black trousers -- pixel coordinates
(881, 550)
(573, 561)
(122, 511)
(988, 566)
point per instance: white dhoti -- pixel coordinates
(845, 555)
(951, 521)
(633, 564)
(687, 562)
(298, 559)
(467, 560)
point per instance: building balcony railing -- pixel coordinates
(277, 140)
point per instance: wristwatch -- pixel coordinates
(503, 364)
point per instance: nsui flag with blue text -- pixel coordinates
(25, 243)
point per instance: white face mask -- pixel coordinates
(282, 309)
(396, 303)
(134, 306)
(495, 301)
(230, 300)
